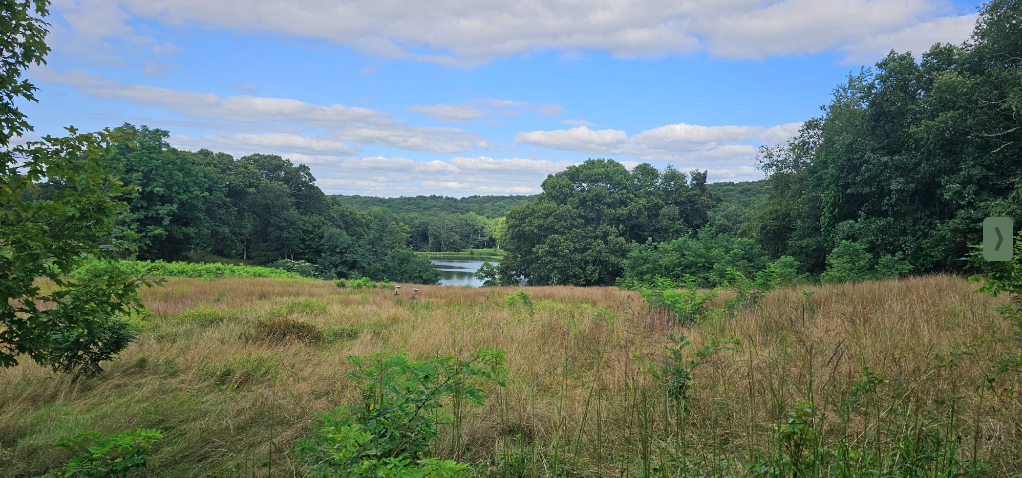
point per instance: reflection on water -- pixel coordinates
(459, 271)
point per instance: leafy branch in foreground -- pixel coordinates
(390, 434)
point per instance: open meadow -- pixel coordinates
(887, 376)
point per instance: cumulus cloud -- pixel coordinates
(469, 33)
(676, 142)
(346, 123)
(452, 113)
(458, 176)
(573, 122)
(482, 108)
(916, 38)
(278, 143)
(580, 139)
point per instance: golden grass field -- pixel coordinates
(233, 403)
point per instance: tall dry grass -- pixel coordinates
(233, 402)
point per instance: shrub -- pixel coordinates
(521, 297)
(390, 432)
(284, 329)
(92, 328)
(748, 294)
(193, 269)
(848, 262)
(780, 273)
(120, 454)
(892, 267)
(79, 350)
(685, 305)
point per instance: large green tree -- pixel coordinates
(579, 230)
(57, 203)
(908, 157)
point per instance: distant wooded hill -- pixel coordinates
(490, 207)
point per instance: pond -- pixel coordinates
(459, 271)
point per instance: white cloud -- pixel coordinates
(572, 122)
(580, 139)
(452, 113)
(916, 38)
(468, 33)
(676, 142)
(687, 137)
(278, 143)
(478, 108)
(460, 176)
(356, 125)
(740, 173)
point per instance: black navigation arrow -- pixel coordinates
(1000, 239)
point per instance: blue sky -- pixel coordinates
(397, 98)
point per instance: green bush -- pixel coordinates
(521, 297)
(848, 262)
(892, 267)
(685, 305)
(390, 432)
(362, 283)
(121, 454)
(192, 269)
(92, 329)
(780, 273)
(79, 350)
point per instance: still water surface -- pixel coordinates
(459, 271)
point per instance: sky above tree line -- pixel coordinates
(399, 98)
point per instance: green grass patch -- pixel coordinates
(194, 270)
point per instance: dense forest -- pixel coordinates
(260, 209)
(895, 176)
(444, 224)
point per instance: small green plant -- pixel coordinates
(848, 262)
(893, 267)
(686, 305)
(79, 350)
(797, 436)
(521, 297)
(673, 374)
(389, 433)
(780, 273)
(188, 269)
(120, 454)
(362, 283)
(748, 294)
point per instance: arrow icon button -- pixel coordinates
(997, 239)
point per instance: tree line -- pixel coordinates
(444, 224)
(895, 176)
(260, 209)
